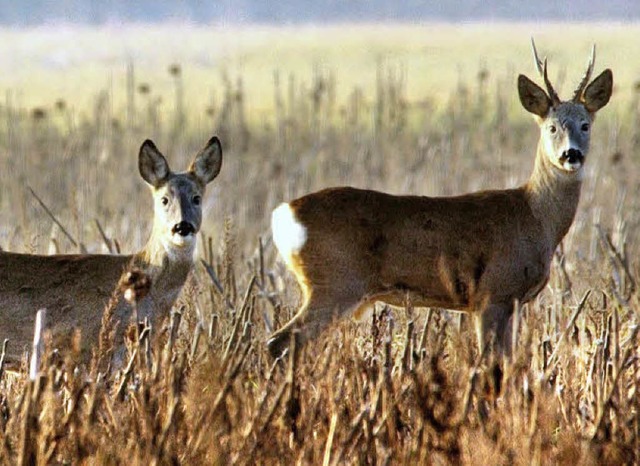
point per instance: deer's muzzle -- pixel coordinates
(572, 157)
(183, 228)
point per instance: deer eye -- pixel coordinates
(164, 200)
(553, 129)
(585, 127)
(196, 200)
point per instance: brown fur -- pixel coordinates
(75, 288)
(477, 252)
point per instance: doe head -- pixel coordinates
(565, 126)
(178, 196)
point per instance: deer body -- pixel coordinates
(75, 288)
(476, 252)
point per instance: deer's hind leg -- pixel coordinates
(315, 314)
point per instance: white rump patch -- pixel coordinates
(289, 235)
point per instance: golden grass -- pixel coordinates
(406, 387)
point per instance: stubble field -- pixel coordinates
(428, 109)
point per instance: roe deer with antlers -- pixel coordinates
(75, 288)
(477, 252)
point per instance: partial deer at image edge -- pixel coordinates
(74, 289)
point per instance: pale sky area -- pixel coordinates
(36, 12)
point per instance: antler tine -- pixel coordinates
(542, 69)
(552, 93)
(577, 96)
(536, 60)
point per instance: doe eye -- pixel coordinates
(164, 200)
(196, 200)
(585, 126)
(553, 129)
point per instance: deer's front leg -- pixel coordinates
(493, 326)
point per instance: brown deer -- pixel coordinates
(75, 288)
(477, 252)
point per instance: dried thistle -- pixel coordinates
(144, 88)
(60, 105)
(175, 70)
(38, 114)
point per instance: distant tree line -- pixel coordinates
(33, 12)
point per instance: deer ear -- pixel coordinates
(208, 162)
(152, 165)
(533, 98)
(598, 93)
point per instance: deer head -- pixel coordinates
(178, 196)
(565, 126)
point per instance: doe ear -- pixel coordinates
(598, 93)
(533, 98)
(208, 162)
(152, 165)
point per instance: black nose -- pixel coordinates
(183, 228)
(572, 156)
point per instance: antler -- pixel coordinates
(542, 69)
(577, 96)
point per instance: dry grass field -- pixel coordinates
(429, 109)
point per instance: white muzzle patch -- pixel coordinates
(180, 241)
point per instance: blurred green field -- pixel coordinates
(426, 109)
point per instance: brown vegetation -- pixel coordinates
(404, 387)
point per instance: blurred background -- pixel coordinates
(406, 96)
(303, 11)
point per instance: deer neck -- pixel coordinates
(553, 195)
(167, 268)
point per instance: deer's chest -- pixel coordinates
(533, 271)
